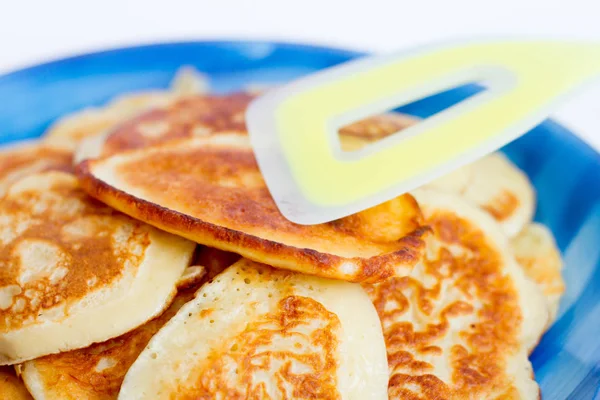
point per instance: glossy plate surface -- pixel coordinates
(565, 171)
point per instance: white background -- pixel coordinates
(34, 31)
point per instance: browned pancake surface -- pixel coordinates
(52, 240)
(210, 190)
(455, 327)
(19, 162)
(97, 372)
(188, 117)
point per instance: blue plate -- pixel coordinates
(565, 172)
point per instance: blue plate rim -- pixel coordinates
(340, 51)
(79, 56)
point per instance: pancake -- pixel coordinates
(72, 128)
(255, 332)
(75, 272)
(462, 324)
(11, 387)
(503, 190)
(492, 182)
(189, 81)
(536, 251)
(189, 117)
(95, 372)
(69, 130)
(378, 126)
(209, 190)
(27, 158)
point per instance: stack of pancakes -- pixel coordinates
(144, 258)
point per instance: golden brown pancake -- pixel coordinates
(74, 271)
(461, 325)
(189, 117)
(17, 162)
(209, 190)
(11, 387)
(72, 128)
(255, 332)
(536, 251)
(95, 372)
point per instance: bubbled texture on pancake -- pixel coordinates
(23, 160)
(536, 251)
(11, 387)
(63, 253)
(95, 372)
(461, 324)
(265, 334)
(210, 190)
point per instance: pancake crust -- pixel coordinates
(210, 190)
(95, 372)
(17, 162)
(461, 325)
(536, 251)
(73, 268)
(11, 387)
(265, 334)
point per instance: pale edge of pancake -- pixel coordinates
(151, 292)
(535, 312)
(536, 250)
(491, 176)
(90, 147)
(227, 301)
